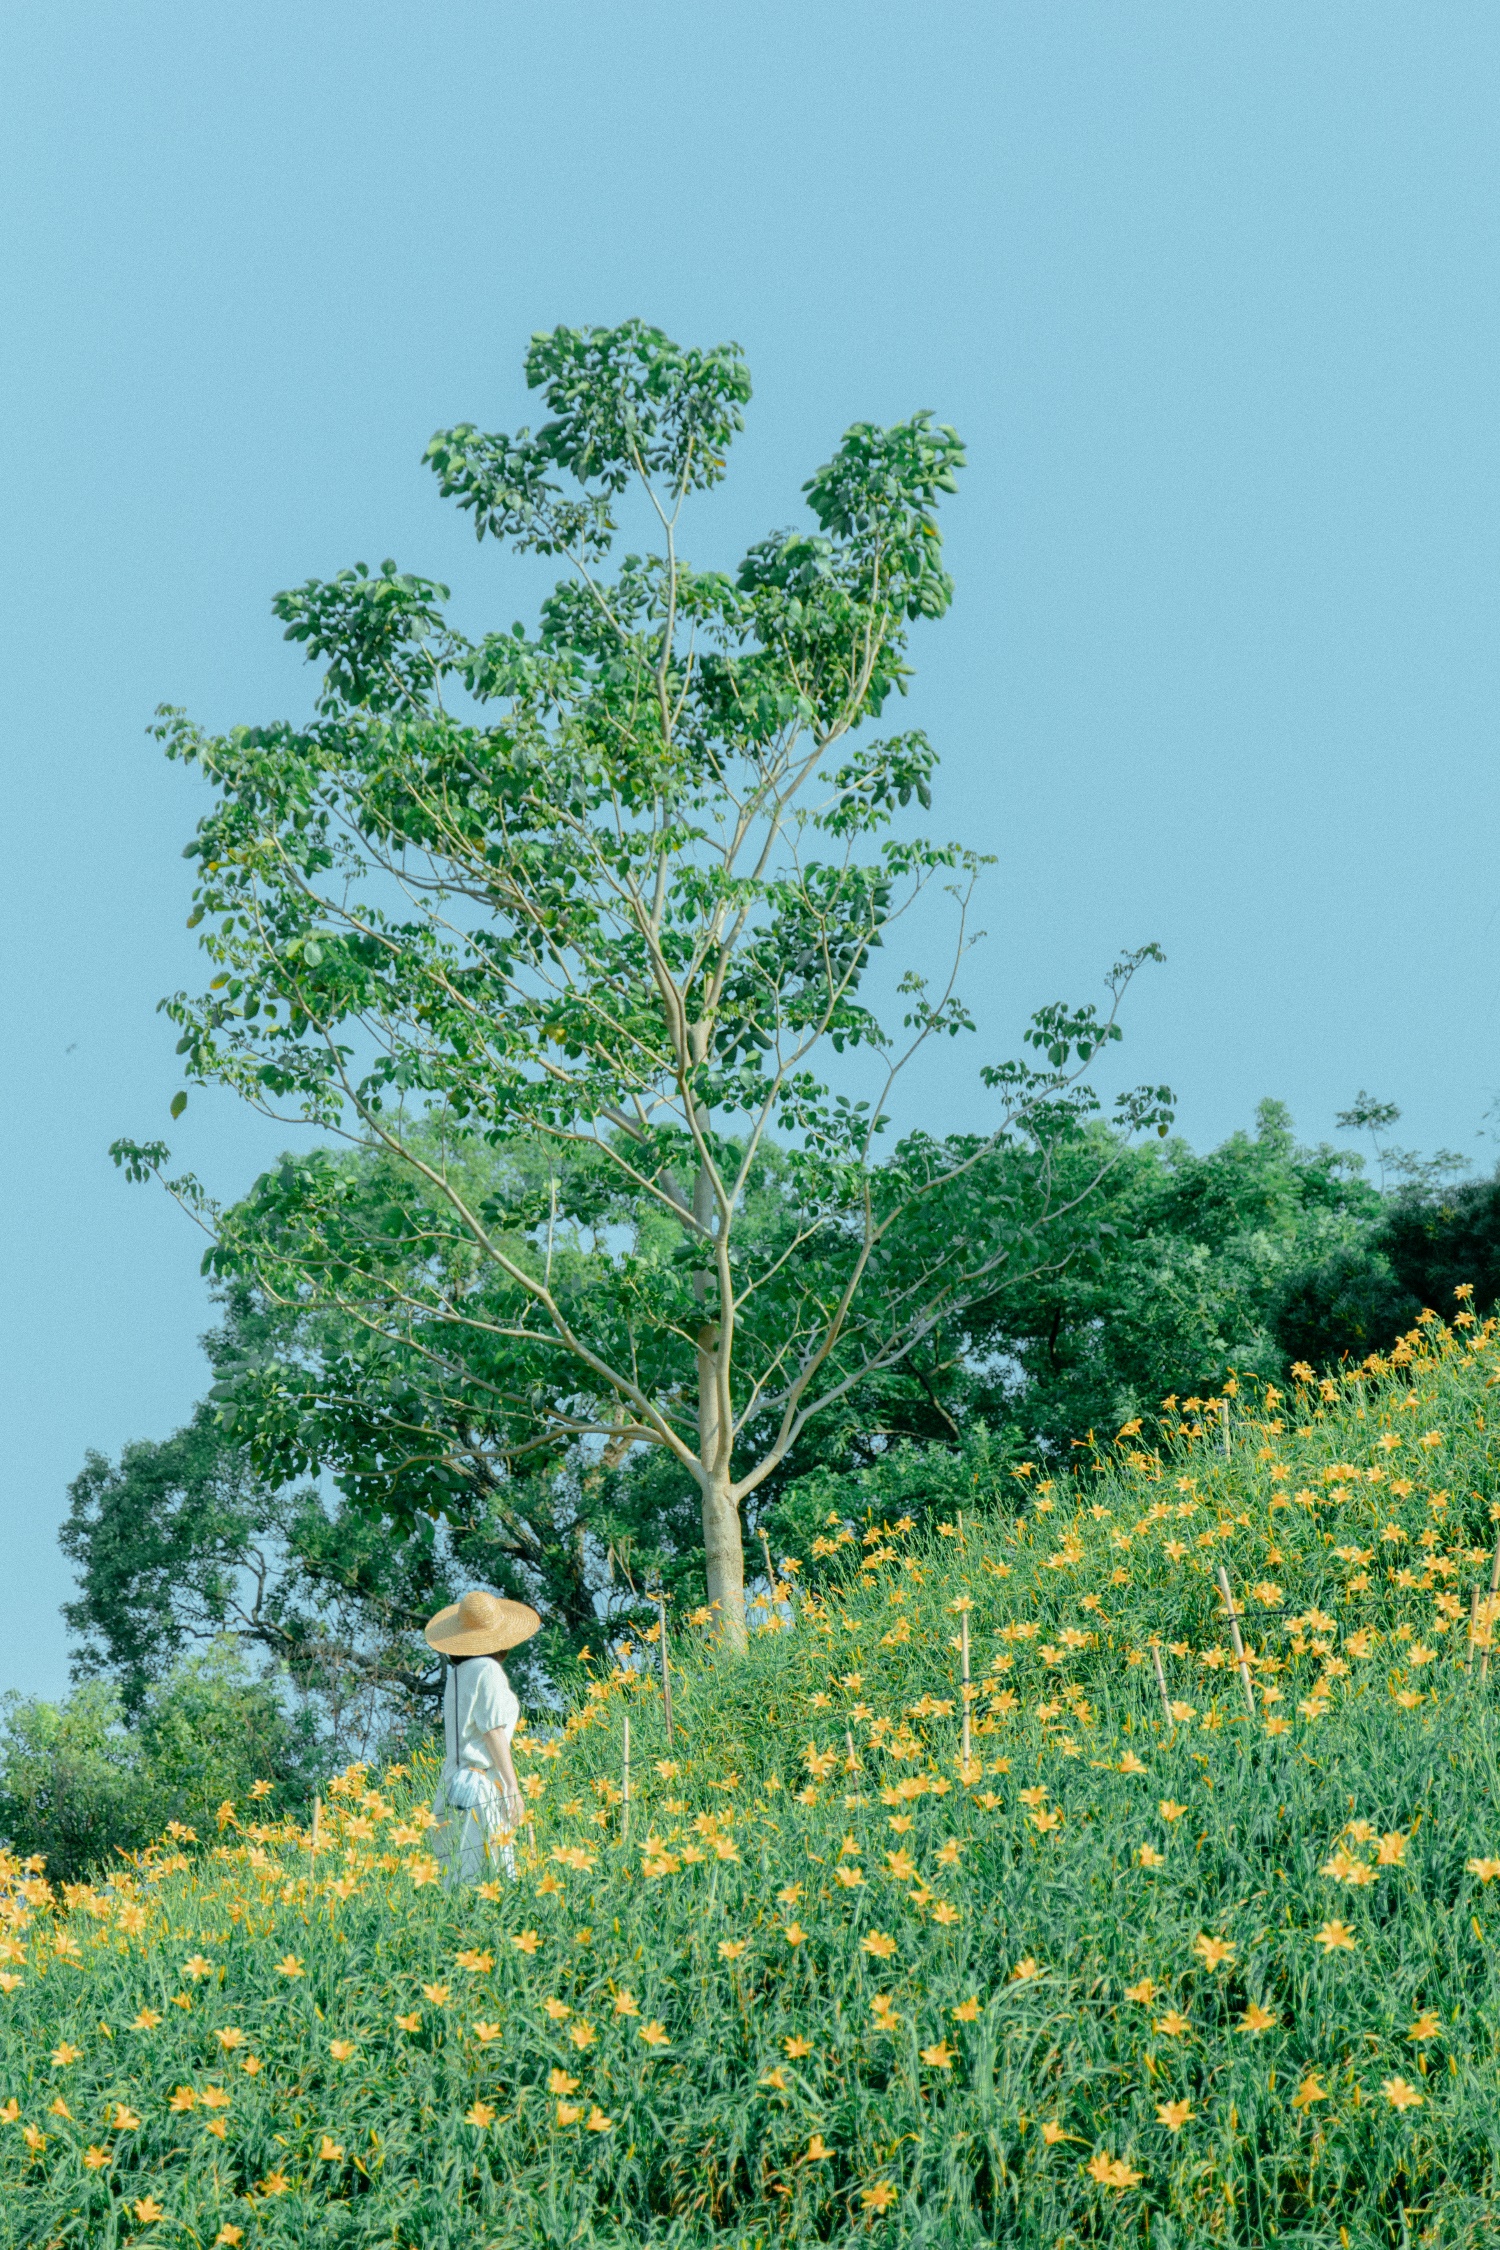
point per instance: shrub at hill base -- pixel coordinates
(79, 1783)
(1211, 1961)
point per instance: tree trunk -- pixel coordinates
(723, 1547)
(724, 1555)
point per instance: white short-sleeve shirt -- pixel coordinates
(476, 1697)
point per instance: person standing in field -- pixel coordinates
(478, 1803)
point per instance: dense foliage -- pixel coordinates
(1427, 1241)
(1189, 1975)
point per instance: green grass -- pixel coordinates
(714, 2136)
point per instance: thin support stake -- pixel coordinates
(1161, 1681)
(666, 1676)
(963, 1628)
(1234, 1634)
(1224, 1419)
(852, 1762)
(1484, 1661)
(625, 1780)
(312, 1849)
(1473, 1624)
(770, 1568)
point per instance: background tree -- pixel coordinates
(80, 1781)
(1397, 1167)
(1431, 1238)
(627, 919)
(183, 1543)
(1180, 1275)
(1183, 1280)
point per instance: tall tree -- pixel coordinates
(620, 905)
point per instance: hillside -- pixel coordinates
(1125, 1976)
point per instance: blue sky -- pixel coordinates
(1210, 292)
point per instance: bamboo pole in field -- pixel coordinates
(770, 1568)
(852, 1764)
(1224, 1419)
(666, 1677)
(1484, 1661)
(1161, 1681)
(1234, 1634)
(625, 1778)
(1473, 1625)
(963, 1643)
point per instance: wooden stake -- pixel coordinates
(666, 1677)
(312, 1849)
(963, 1628)
(625, 1786)
(853, 1764)
(1484, 1661)
(770, 1570)
(1473, 1624)
(1234, 1634)
(1224, 1418)
(1161, 1681)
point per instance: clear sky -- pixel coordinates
(1209, 290)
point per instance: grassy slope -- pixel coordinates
(1034, 2115)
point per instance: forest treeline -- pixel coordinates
(251, 1587)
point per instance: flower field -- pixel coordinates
(1203, 1954)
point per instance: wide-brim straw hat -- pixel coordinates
(481, 1625)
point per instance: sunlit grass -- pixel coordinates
(1124, 1976)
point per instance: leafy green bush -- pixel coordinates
(71, 1784)
(923, 1482)
(1440, 1241)
(1346, 1306)
(78, 1785)
(1359, 1298)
